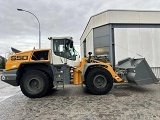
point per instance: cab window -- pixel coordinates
(64, 48)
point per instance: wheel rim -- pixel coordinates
(100, 81)
(34, 85)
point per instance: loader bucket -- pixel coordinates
(137, 71)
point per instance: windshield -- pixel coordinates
(64, 48)
(70, 50)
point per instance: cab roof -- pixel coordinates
(60, 38)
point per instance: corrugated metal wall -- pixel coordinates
(88, 42)
(138, 43)
(156, 71)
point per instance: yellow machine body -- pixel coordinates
(15, 60)
(77, 72)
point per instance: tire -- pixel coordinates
(34, 84)
(50, 89)
(99, 81)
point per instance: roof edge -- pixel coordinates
(116, 10)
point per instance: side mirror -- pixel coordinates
(71, 44)
(89, 58)
(89, 53)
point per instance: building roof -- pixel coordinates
(121, 16)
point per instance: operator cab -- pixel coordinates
(63, 51)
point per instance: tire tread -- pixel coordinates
(45, 82)
(89, 81)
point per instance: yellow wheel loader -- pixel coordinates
(37, 71)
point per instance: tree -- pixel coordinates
(2, 62)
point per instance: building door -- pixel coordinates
(101, 40)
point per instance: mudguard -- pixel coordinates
(87, 65)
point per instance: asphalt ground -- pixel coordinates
(123, 102)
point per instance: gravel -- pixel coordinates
(123, 102)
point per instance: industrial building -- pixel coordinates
(124, 33)
(119, 34)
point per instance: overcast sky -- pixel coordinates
(57, 18)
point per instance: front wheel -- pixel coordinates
(99, 81)
(34, 84)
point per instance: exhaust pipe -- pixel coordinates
(137, 71)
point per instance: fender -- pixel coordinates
(86, 67)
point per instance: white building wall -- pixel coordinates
(138, 43)
(89, 44)
(81, 50)
(121, 16)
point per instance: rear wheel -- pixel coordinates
(99, 81)
(34, 84)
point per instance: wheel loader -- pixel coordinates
(38, 71)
